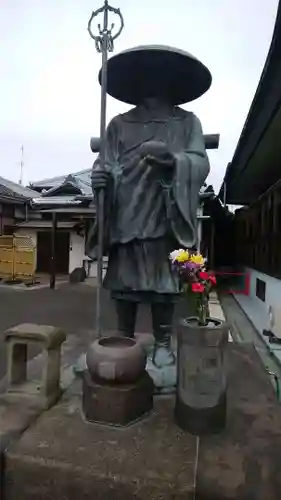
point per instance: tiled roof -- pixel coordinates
(12, 190)
(82, 180)
(5, 192)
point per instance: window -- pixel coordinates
(260, 289)
(8, 210)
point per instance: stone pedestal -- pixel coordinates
(202, 381)
(200, 421)
(47, 391)
(116, 404)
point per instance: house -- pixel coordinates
(14, 203)
(30, 211)
(68, 201)
(253, 181)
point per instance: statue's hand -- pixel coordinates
(154, 148)
(99, 179)
(163, 162)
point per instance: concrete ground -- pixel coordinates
(71, 307)
(63, 456)
(45, 463)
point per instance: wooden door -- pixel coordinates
(44, 251)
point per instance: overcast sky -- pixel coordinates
(49, 98)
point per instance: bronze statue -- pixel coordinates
(155, 165)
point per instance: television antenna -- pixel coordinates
(21, 165)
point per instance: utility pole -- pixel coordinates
(21, 166)
(53, 252)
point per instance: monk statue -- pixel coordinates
(155, 166)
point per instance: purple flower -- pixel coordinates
(191, 266)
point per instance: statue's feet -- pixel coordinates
(161, 366)
(163, 356)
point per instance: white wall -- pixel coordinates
(256, 309)
(76, 251)
(93, 271)
(77, 255)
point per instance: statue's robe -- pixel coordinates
(144, 221)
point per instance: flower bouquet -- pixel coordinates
(193, 276)
(200, 406)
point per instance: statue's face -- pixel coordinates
(153, 94)
(152, 102)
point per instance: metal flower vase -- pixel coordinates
(201, 400)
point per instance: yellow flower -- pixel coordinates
(197, 259)
(182, 256)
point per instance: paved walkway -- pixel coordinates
(243, 331)
(71, 307)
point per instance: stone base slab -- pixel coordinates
(30, 393)
(62, 456)
(116, 404)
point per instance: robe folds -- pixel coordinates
(149, 213)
